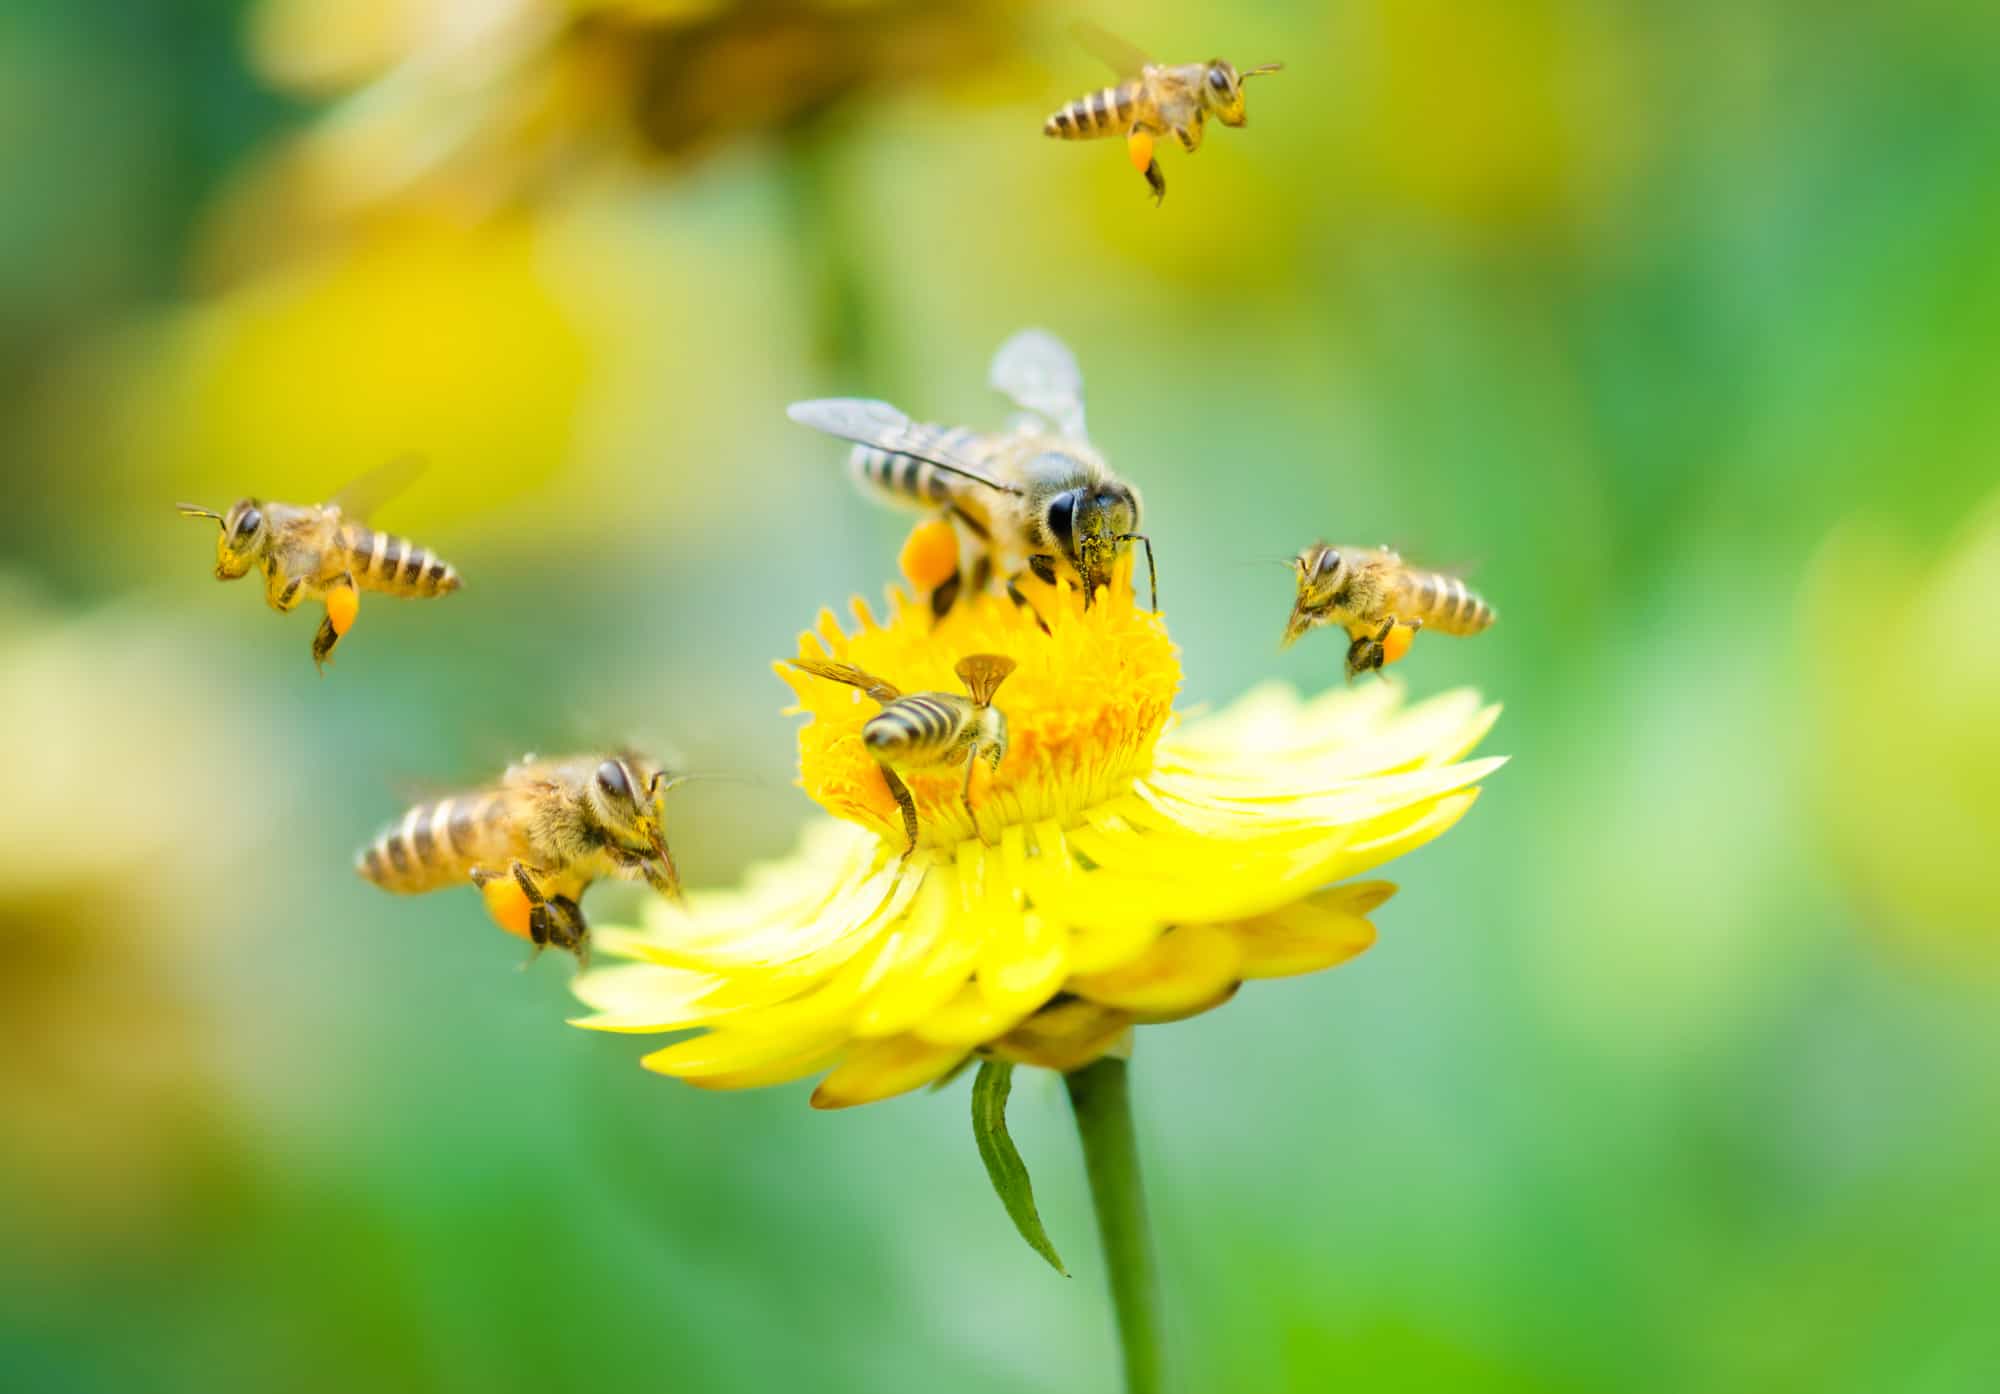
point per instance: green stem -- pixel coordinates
(1102, 1097)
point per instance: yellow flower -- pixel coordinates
(1126, 870)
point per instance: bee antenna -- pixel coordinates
(1152, 576)
(1261, 69)
(189, 510)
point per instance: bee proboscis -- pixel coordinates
(1370, 591)
(547, 828)
(1038, 498)
(1154, 100)
(327, 552)
(929, 730)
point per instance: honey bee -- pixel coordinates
(1037, 498)
(1373, 593)
(1162, 100)
(323, 551)
(534, 841)
(930, 730)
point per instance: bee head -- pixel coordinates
(242, 540)
(1093, 528)
(1321, 577)
(628, 793)
(1222, 90)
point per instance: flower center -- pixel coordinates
(1084, 706)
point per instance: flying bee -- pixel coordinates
(1164, 99)
(324, 551)
(929, 730)
(1037, 498)
(533, 841)
(1371, 592)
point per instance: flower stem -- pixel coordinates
(1102, 1097)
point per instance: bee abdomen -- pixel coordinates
(1445, 604)
(381, 561)
(435, 845)
(1108, 111)
(914, 729)
(905, 477)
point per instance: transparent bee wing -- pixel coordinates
(884, 692)
(1126, 59)
(880, 425)
(1038, 371)
(361, 497)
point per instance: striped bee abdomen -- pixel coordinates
(381, 561)
(1443, 603)
(1106, 112)
(436, 845)
(906, 479)
(915, 730)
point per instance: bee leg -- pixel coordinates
(567, 929)
(946, 595)
(341, 597)
(1157, 182)
(284, 599)
(965, 793)
(1365, 654)
(901, 793)
(538, 907)
(1015, 594)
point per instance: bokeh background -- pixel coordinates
(1675, 1067)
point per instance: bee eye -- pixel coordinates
(1329, 562)
(1062, 519)
(611, 779)
(1218, 79)
(247, 525)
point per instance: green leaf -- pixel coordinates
(1004, 1167)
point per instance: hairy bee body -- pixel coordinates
(1442, 602)
(316, 552)
(1115, 111)
(1369, 591)
(926, 729)
(552, 827)
(1163, 100)
(1038, 498)
(384, 562)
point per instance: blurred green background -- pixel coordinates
(1674, 1068)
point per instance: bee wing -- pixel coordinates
(359, 499)
(846, 672)
(1038, 371)
(982, 674)
(877, 424)
(1125, 58)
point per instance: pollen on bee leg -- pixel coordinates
(1397, 642)
(343, 603)
(1139, 145)
(507, 903)
(930, 554)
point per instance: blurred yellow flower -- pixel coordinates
(473, 106)
(1131, 871)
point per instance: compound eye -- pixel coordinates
(1329, 562)
(1062, 519)
(611, 779)
(247, 525)
(1218, 79)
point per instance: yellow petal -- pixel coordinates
(1308, 936)
(723, 1052)
(1064, 1037)
(1194, 964)
(880, 1069)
